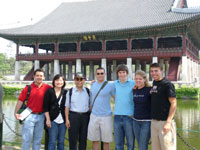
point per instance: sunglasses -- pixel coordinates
(79, 79)
(100, 73)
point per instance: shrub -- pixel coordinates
(10, 90)
(187, 93)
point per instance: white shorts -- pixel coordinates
(100, 128)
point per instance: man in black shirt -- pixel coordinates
(163, 108)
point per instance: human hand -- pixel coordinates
(67, 124)
(48, 123)
(17, 116)
(92, 82)
(166, 127)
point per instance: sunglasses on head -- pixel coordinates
(79, 79)
(101, 73)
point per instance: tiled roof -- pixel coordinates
(103, 16)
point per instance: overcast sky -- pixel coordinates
(15, 13)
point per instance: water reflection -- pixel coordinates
(187, 118)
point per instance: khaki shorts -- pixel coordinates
(100, 128)
(160, 140)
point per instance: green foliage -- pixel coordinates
(187, 93)
(25, 66)
(10, 90)
(6, 65)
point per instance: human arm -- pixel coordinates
(172, 111)
(46, 107)
(48, 120)
(17, 107)
(21, 99)
(67, 123)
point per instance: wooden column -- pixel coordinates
(184, 46)
(56, 48)
(36, 49)
(155, 46)
(78, 48)
(103, 47)
(129, 46)
(17, 49)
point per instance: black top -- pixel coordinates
(160, 104)
(51, 103)
(142, 103)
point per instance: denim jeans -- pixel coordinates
(123, 128)
(142, 130)
(56, 134)
(32, 128)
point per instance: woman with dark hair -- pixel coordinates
(54, 108)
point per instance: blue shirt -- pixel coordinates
(124, 97)
(80, 100)
(101, 105)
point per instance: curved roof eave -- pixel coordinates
(75, 34)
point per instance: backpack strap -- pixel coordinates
(28, 94)
(88, 91)
(70, 95)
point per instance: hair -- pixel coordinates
(100, 68)
(38, 70)
(156, 65)
(57, 77)
(144, 76)
(121, 67)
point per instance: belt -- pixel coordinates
(37, 113)
(79, 113)
(159, 119)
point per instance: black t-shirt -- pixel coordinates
(142, 103)
(160, 105)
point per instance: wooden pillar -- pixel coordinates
(103, 47)
(56, 48)
(155, 46)
(36, 49)
(78, 48)
(184, 45)
(17, 50)
(129, 46)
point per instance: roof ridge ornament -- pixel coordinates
(180, 6)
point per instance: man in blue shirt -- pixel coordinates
(101, 124)
(77, 113)
(124, 109)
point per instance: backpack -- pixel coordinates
(70, 95)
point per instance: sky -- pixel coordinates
(15, 13)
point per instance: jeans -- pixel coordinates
(32, 128)
(142, 133)
(123, 128)
(56, 134)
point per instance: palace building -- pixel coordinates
(78, 36)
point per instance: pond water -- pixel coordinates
(187, 119)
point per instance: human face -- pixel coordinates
(59, 83)
(79, 82)
(38, 77)
(122, 76)
(100, 75)
(156, 73)
(140, 81)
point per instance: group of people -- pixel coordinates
(141, 111)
